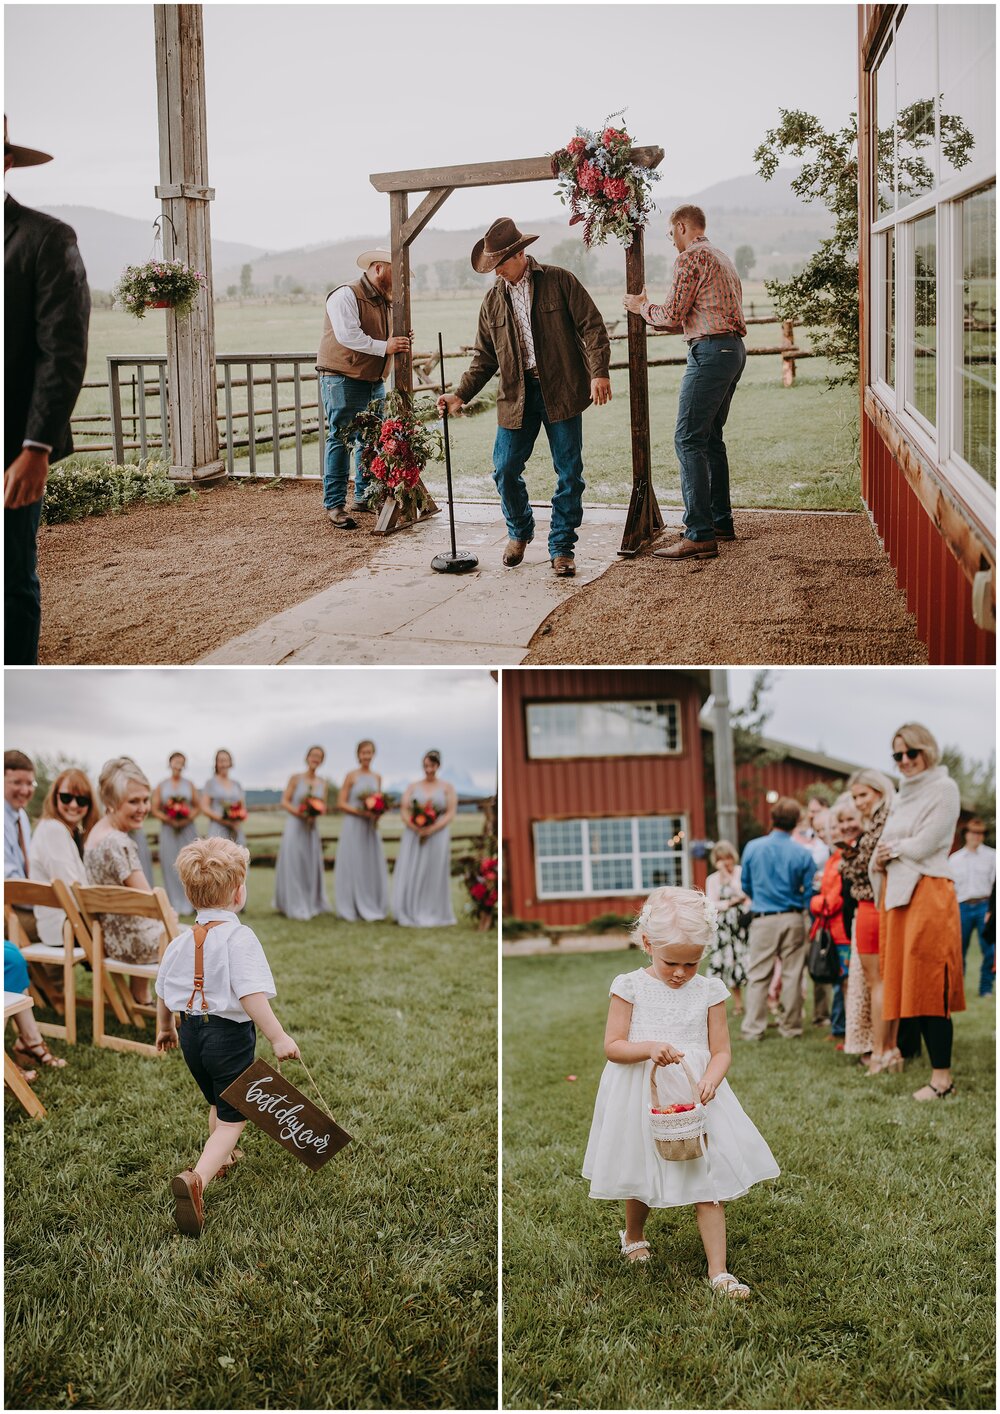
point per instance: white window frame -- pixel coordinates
(673, 702)
(585, 857)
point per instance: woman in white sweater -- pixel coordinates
(69, 813)
(921, 942)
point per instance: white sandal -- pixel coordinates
(634, 1251)
(729, 1286)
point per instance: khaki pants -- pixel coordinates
(777, 935)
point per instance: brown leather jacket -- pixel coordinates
(571, 347)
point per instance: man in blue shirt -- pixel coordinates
(777, 874)
(18, 788)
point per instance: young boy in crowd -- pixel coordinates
(216, 975)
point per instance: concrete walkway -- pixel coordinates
(397, 610)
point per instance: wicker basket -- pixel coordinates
(678, 1136)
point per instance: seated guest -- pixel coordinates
(18, 788)
(30, 1048)
(111, 857)
(68, 815)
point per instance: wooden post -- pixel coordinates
(644, 519)
(183, 190)
(787, 342)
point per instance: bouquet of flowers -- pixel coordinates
(159, 284)
(602, 186)
(233, 812)
(422, 815)
(177, 810)
(481, 882)
(395, 448)
(311, 807)
(375, 804)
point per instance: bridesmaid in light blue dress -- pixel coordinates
(361, 882)
(173, 838)
(299, 888)
(219, 792)
(422, 881)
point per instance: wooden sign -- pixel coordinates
(264, 1095)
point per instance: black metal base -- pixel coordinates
(458, 563)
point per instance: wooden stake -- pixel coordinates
(643, 520)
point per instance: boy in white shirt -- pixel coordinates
(216, 975)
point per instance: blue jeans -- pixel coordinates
(973, 917)
(22, 593)
(343, 399)
(838, 1013)
(511, 451)
(714, 367)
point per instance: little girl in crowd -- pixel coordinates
(658, 1016)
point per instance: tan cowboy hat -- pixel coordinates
(371, 257)
(22, 156)
(501, 241)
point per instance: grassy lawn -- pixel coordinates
(789, 447)
(871, 1257)
(368, 1285)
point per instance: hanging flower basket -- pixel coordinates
(159, 284)
(604, 189)
(395, 448)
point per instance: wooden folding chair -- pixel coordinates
(95, 902)
(23, 893)
(13, 1079)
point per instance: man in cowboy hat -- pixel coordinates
(546, 338)
(45, 326)
(353, 360)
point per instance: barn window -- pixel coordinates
(590, 858)
(603, 729)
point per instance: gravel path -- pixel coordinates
(167, 584)
(794, 588)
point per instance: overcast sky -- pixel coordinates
(851, 713)
(266, 717)
(296, 125)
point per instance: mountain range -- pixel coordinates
(782, 230)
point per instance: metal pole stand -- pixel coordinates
(457, 561)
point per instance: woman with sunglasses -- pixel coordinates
(175, 805)
(69, 813)
(921, 934)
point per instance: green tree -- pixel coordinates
(246, 281)
(575, 257)
(744, 260)
(977, 785)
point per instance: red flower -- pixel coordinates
(589, 178)
(575, 146)
(395, 447)
(478, 891)
(378, 467)
(390, 428)
(615, 189)
(614, 137)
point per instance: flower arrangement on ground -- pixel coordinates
(158, 283)
(177, 810)
(422, 815)
(395, 448)
(602, 186)
(481, 882)
(311, 807)
(234, 811)
(375, 804)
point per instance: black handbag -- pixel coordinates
(824, 961)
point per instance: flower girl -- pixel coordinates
(663, 1018)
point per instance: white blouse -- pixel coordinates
(53, 855)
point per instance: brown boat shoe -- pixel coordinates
(564, 566)
(339, 518)
(685, 549)
(514, 552)
(189, 1207)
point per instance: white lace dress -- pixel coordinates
(621, 1159)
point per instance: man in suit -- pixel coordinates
(47, 314)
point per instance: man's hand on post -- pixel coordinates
(600, 390)
(634, 303)
(399, 343)
(450, 403)
(24, 480)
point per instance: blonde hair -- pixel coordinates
(670, 915)
(690, 215)
(918, 738)
(874, 780)
(212, 871)
(115, 778)
(724, 847)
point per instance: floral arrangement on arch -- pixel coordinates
(603, 187)
(159, 284)
(395, 448)
(481, 882)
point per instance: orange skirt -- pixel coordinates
(921, 954)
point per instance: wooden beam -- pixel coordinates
(488, 174)
(414, 224)
(643, 520)
(400, 321)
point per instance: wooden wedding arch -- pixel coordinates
(644, 519)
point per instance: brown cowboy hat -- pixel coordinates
(501, 241)
(22, 156)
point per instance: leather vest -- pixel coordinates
(374, 315)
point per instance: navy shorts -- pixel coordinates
(217, 1052)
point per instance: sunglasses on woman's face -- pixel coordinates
(68, 798)
(909, 753)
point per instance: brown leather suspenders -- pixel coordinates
(200, 931)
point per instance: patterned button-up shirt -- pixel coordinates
(705, 297)
(520, 299)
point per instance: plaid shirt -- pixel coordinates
(706, 296)
(520, 299)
